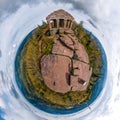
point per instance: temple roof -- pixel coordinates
(60, 14)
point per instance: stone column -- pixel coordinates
(57, 23)
(65, 23)
(71, 24)
(49, 24)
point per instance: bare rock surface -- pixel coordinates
(81, 76)
(67, 68)
(81, 52)
(75, 86)
(60, 49)
(55, 70)
(67, 41)
(69, 31)
(73, 38)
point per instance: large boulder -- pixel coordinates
(67, 68)
(55, 72)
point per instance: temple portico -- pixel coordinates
(59, 19)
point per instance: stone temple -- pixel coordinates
(67, 68)
(59, 19)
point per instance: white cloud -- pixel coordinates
(2, 103)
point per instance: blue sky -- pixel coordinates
(1, 114)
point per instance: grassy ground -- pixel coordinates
(41, 44)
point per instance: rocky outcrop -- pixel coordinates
(60, 49)
(67, 68)
(55, 71)
(81, 52)
(81, 75)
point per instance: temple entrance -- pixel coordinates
(59, 19)
(61, 22)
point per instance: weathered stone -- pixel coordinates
(59, 49)
(67, 68)
(83, 73)
(76, 63)
(61, 30)
(76, 72)
(61, 20)
(56, 67)
(75, 86)
(81, 52)
(55, 70)
(69, 31)
(67, 41)
(60, 14)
